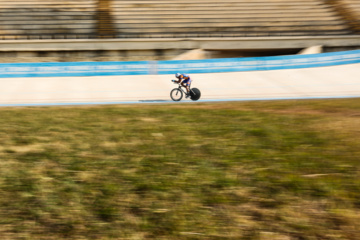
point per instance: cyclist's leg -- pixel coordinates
(186, 84)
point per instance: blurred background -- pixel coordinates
(118, 30)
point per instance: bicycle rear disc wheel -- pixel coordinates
(176, 94)
(195, 94)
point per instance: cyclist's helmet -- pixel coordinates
(177, 75)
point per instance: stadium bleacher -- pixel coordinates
(228, 18)
(353, 5)
(47, 19)
(53, 19)
(351, 12)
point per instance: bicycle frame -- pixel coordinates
(181, 87)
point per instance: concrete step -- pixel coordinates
(221, 5)
(45, 5)
(44, 31)
(230, 29)
(212, 1)
(240, 19)
(253, 15)
(216, 13)
(53, 27)
(43, 2)
(44, 10)
(48, 13)
(235, 15)
(337, 24)
(46, 36)
(40, 18)
(48, 22)
(232, 34)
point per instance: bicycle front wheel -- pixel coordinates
(176, 94)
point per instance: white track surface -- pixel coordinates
(324, 82)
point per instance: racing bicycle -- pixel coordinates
(177, 93)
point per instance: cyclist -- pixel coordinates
(185, 81)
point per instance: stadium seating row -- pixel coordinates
(351, 9)
(53, 19)
(47, 19)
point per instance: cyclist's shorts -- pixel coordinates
(188, 81)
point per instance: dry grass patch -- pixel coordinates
(240, 170)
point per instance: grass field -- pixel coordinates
(243, 170)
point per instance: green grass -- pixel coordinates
(242, 170)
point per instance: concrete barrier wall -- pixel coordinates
(99, 50)
(71, 69)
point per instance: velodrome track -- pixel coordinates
(341, 81)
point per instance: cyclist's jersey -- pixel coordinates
(188, 81)
(186, 75)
